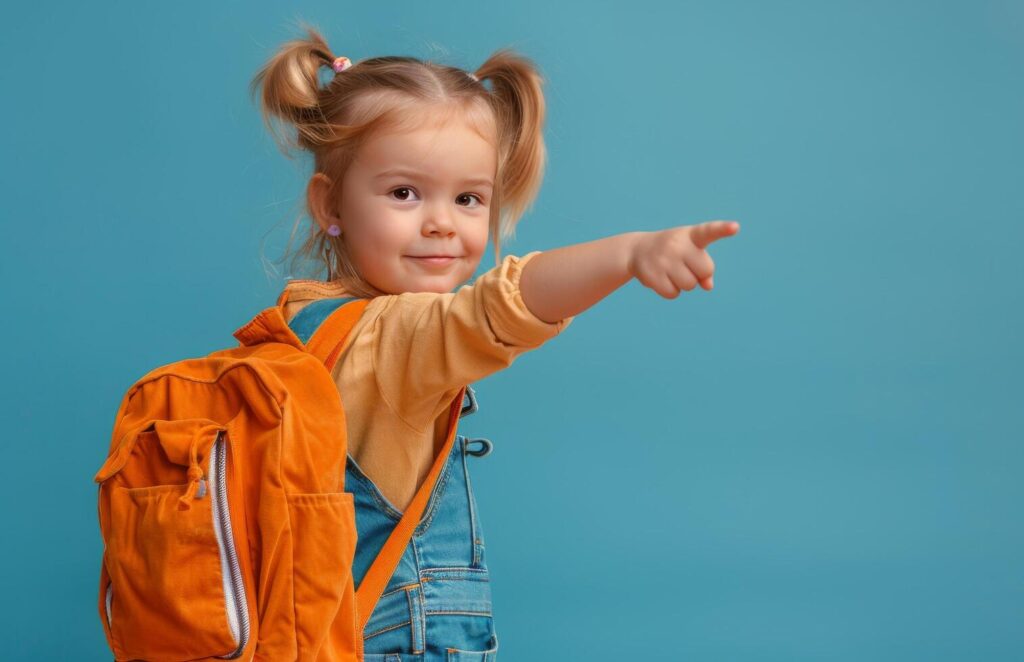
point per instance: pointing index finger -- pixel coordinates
(705, 233)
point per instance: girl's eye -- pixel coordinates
(402, 193)
(476, 197)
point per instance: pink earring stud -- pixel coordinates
(333, 230)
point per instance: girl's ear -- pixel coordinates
(318, 192)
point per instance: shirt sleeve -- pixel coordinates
(426, 344)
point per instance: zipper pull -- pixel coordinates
(195, 489)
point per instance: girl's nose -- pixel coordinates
(438, 222)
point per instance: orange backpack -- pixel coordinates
(227, 530)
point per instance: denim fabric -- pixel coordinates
(437, 606)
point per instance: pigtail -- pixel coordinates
(518, 103)
(289, 90)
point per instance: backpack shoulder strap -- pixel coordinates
(313, 314)
(323, 325)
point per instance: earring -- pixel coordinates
(333, 230)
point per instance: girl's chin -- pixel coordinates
(440, 285)
(417, 280)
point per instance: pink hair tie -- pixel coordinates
(341, 64)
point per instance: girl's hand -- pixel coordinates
(668, 261)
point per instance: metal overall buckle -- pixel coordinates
(485, 444)
(472, 407)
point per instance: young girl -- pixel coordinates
(417, 165)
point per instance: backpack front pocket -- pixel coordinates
(173, 586)
(323, 548)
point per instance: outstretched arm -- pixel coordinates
(566, 281)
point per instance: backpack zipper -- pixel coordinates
(234, 588)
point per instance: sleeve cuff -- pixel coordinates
(510, 319)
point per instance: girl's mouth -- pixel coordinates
(433, 260)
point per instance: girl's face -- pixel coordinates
(416, 194)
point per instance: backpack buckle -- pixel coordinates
(472, 407)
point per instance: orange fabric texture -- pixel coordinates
(271, 412)
(409, 356)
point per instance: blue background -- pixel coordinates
(821, 459)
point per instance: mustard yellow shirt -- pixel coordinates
(408, 357)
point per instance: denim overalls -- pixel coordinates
(437, 605)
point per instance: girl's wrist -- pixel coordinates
(630, 241)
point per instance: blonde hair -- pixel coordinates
(393, 92)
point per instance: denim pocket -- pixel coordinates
(397, 622)
(489, 655)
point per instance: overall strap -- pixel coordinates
(324, 325)
(383, 567)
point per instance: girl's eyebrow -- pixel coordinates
(408, 172)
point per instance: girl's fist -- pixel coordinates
(668, 261)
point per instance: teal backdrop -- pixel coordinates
(820, 459)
